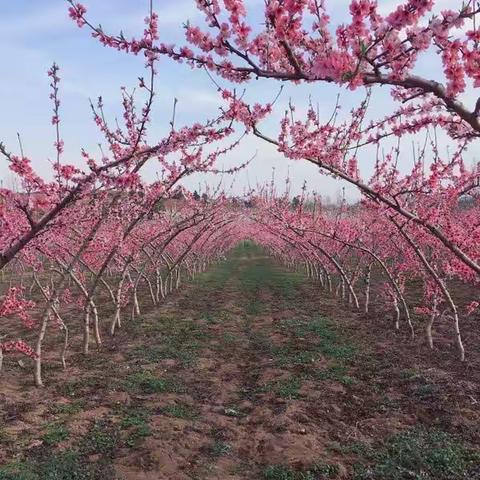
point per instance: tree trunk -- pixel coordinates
(368, 275)
(430, 323)
(86, 330)
(397, 313)
(38, 349)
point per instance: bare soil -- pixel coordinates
(250, 372)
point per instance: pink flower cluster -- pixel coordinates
(13, 304)
(18, 346)
(77, 12)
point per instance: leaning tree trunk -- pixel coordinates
(442, 287)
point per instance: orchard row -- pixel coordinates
(97, 229)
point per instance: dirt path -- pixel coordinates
(248, 374)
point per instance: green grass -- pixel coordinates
(263, 274)
(49, 463)
(337, 373)
(330, 342)
(54, 434)
(185, 353)
(312, 339)
(261, 342)
(66, 465)
(103, 437)
(228, 338)
(316, 472)
(285, 284)
(137, 435)
(323, 337)
(255, 307)
(133, 416)
(216, 277)
(215, 317)
(220, 449)
(147, 382)
(410, 374)
(180, 340)
(85, 386)
(427, 392)
(336, 351)
(210, 318)
(67, 408)
(181, 410)
(420, 454)
(291, 355)
(357, 448)
(17, 471)
(287, 388)
(135, 419)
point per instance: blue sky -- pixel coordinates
(35, 34)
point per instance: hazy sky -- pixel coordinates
(34, 34)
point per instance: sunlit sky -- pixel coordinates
(34, 34)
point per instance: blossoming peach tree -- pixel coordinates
(96, 231)
(433, 205)
(59, 237)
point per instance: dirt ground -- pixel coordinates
(250, 372)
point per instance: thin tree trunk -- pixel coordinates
(368, 275)
(397, 313)
(441, 285)
(38, 349)
(117, 320)
(96, 326)
(86, 330)
(430, 322)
